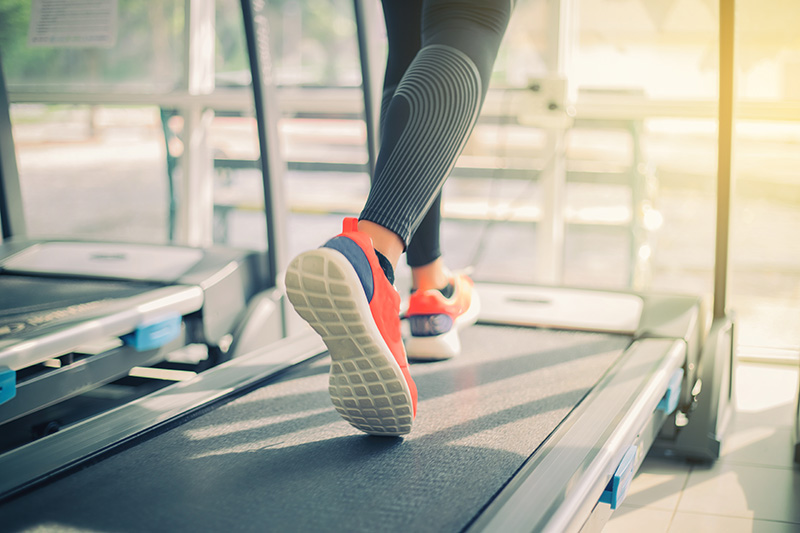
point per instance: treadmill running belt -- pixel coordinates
(280, 458)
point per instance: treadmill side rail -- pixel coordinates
(581, 456)
(677, 317)
(709, 417)
(113, 319)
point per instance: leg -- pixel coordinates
(342, 292)
(432, 112)
(403, 20)
(443, 302)
(343, 289)
(424, 254)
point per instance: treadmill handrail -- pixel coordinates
(115, 318)
(558, 487)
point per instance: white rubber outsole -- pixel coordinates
(446, 345)
(366, 385)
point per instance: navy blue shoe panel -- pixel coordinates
(353, 252)
(430, 325)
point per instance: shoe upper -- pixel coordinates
(430, 313)
(383, 298)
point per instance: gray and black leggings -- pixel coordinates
(441, 55)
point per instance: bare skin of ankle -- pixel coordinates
(434, 275)
(385, 241)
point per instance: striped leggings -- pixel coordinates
(441, 55)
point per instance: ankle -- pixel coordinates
(386, 266)
(434, 275)
(385, 241)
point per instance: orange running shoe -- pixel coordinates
(342, 292)
(434, 319)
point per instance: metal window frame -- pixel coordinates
(727, 32)
(370, 77)
(12, 215)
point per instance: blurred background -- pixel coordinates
(593, 163)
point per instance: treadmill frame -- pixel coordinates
(630, 414)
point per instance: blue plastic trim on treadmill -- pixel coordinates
(617, 487)
(8, 384)
(155, 333)
(670, 400)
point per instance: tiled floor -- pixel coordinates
(753, 487)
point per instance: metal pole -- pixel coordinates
(12, 215)
(195, 210)
(552, 226)
(257, 33)
(369, 84)
(724, 152)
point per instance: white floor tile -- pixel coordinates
(759, 446)
(629, 519)
(699, 523)
(766, 395)
(734, 490)
(658, 484)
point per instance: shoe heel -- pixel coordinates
(366, 385)
(444, 346)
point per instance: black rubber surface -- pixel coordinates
(281, 459)
(30, 302)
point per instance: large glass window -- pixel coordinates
(142, 50)
(593, 164)
(92, 171)
(765, 254)
(119, 139)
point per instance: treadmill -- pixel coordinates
(531, 428)
(539, 425)
(77, 314)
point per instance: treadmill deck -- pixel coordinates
(280, 458)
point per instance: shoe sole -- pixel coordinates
(366, 385)
(447, 345)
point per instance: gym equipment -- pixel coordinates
(539, 425)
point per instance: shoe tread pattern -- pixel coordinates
(366, 385)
